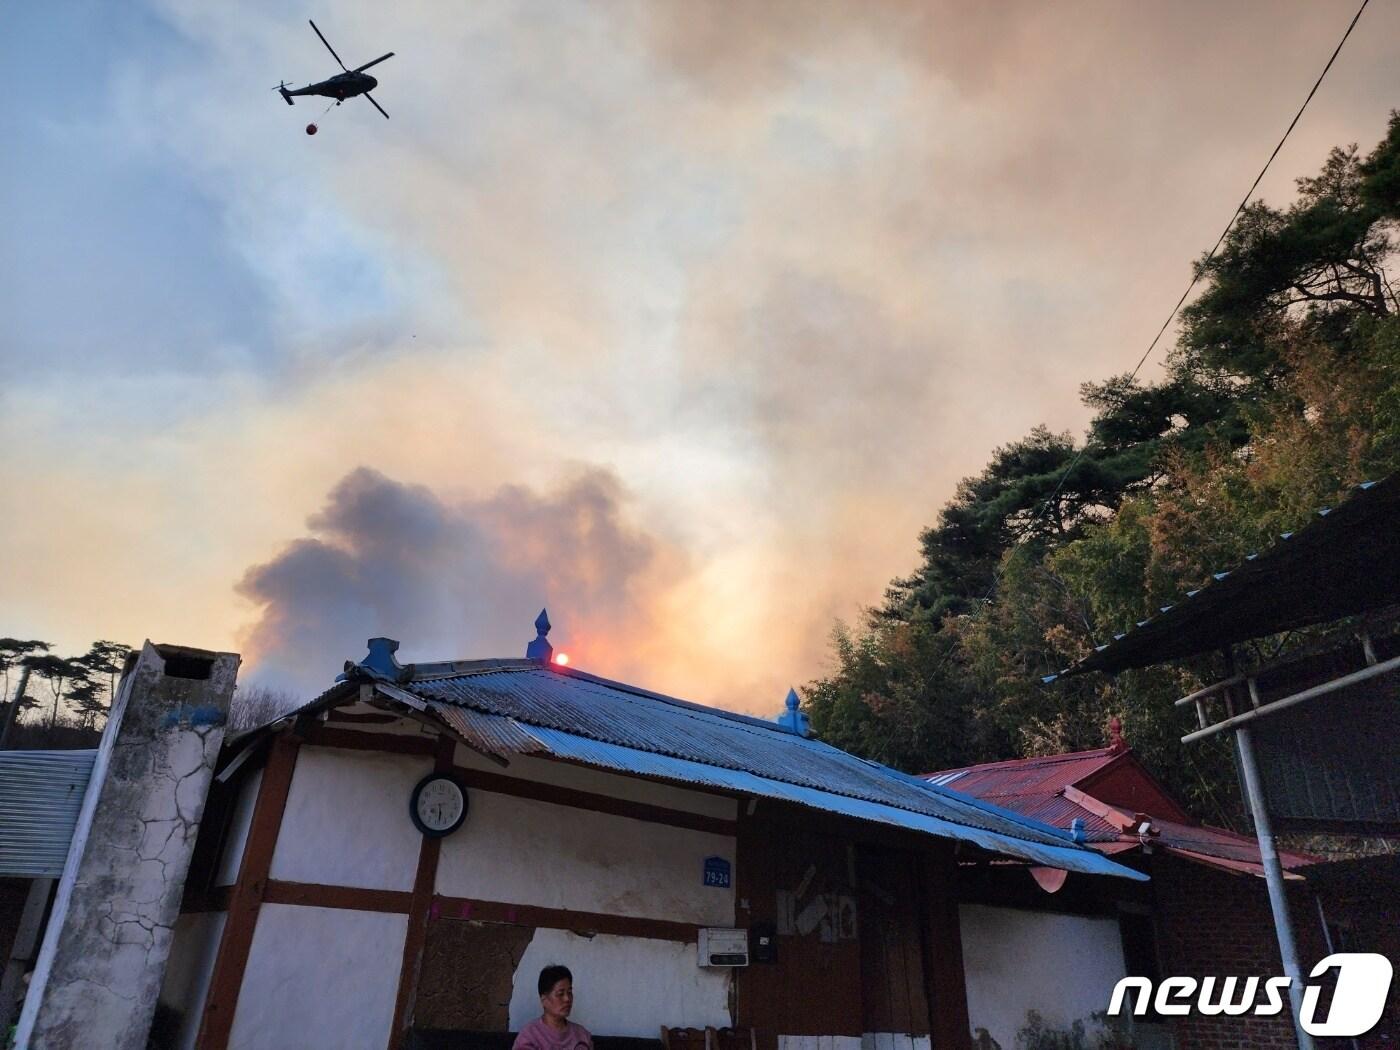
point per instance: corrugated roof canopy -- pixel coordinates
(41, 793)
(1344, 562)
(526, 707)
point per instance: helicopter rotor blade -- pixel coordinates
(381, 58)
(328, 46)
(376, 105)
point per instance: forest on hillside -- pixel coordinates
(1281, 392)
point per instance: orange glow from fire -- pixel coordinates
(562, 659)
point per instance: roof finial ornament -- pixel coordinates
(540, 649)
(379, 661)
(1116, 744)
(792, 719)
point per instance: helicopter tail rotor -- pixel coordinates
(282, 87)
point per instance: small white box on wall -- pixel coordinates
(723, 947)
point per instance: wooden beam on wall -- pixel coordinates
(943, 957)
(247, 895)
(424, 884)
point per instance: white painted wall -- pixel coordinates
(1063, 966)
(319, 977)
(580, 778)
(192, 953)
(347, 822)
(623, 985)
(240, 820)
(527, 852)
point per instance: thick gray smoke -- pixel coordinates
(449, 579)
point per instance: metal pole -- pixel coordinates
(1273, 875)
(1331, 948)
(13, 709)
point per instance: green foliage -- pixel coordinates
(83, 685)
(1318, 264)
(1283, 391)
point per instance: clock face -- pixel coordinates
(438, 805)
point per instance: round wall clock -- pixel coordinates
(438, 805)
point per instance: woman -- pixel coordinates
(554, 1030)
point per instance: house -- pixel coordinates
(1204, 912)
(693, 867)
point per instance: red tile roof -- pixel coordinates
(1051, 789)
(1026, 776)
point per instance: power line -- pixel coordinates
(1195, 279)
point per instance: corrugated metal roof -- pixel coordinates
(1022, 776)
(40, 795)
(1218, 842)
(1034, 787)
(533, 708)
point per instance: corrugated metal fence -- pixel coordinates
(40, 795)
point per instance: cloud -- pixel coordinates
(452, 579)
(784, 269)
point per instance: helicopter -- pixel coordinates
(341, 86)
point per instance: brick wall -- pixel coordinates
(1216, 923)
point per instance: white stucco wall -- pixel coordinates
(623, 985)
(580, 778)
(347, 822)
(319, 978)
(192, 952)
(240, 820)
(893, 1041)
(527, 852)
(1063, 966)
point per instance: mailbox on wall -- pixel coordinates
(720, 946)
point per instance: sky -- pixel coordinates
(679, 318)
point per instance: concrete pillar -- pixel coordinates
(100, 969)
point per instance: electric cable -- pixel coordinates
(1196, 277)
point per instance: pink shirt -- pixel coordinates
(539, 1036)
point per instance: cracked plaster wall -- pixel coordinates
(103, 960)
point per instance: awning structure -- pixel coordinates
(1344, 562)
